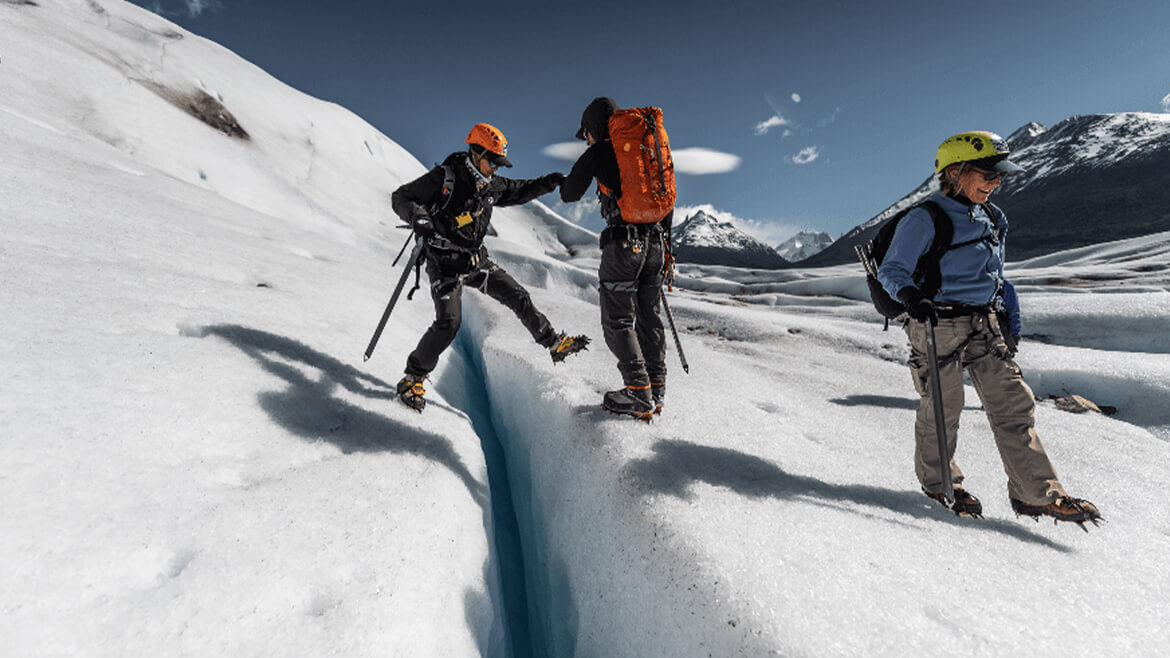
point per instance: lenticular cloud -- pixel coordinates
(699, 161)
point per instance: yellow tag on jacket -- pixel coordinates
(464, 219)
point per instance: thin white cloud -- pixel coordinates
(807, 155)
(1166, 103)
(699, 161)
(771, 232)
(565, 150)
(795, 98)
(774, 121)
(696, 161)
(197, 7)
(829, 119)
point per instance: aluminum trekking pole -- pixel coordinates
(939, 414)
(678, 345)
(414, 255)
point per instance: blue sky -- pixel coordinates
(832, 110)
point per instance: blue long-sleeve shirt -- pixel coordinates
(971, 275)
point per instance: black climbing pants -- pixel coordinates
(447, 293)
(631, 288)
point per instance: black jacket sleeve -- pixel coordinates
(580, 176)
(515, 192)
(415, 198)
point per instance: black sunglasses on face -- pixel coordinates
(989, 175)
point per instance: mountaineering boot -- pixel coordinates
(658, 393)
(411, 392)
(566, 345)
(1065, 508)
(630, 401)
(965, 503)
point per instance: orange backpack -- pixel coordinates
(644, 164)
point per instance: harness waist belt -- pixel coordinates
(960, 310)
(447, 245)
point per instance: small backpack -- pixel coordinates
(644, 165)
(927, 274)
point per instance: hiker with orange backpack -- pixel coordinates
(450, 210)
(629, 156)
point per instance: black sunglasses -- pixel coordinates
(989, 175)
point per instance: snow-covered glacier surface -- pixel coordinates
(196, 460)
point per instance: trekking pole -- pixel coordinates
(939, 414)
(414, 255)
(677, 344)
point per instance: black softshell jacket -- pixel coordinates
(469, 206)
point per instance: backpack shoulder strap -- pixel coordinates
(944, 228)
(944, 232)
(448, 186)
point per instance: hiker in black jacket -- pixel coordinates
(450, 210)
(631, 272)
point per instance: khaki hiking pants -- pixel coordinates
(974, 343)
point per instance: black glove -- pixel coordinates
(1012, 341)
(422, 226)
(552, 181)
(918, 305)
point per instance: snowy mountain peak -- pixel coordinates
(703, 230)
(703, 238)
(804, 244)
(1026, 134)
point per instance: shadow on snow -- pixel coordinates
(310, 409)
(676, 465)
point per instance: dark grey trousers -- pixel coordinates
(631, 287)
(447, 294)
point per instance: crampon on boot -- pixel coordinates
(630, 401)
(1065, 508)
(566, 345)
(411, 392)
(658, 394)
(965, 504)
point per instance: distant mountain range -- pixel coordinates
(704, 240)
(1088, 179)
(804, 245)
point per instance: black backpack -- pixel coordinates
(927, 274)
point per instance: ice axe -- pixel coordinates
(410, 264)
(939, 415)
(677, 344)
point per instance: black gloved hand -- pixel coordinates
(1012, 341)
(553, 180)
(918, 306)
(422, 226)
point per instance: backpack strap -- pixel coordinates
(994, 237)
(448, 188)
(928, 264)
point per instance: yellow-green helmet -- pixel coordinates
(980, 148)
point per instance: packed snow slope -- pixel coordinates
(197, 462)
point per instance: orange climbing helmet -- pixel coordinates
(492, 141)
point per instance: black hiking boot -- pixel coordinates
(628, 401)
(1065, 508)
(566, 345)
(965, 503)
(411, 392)
(658, 393)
